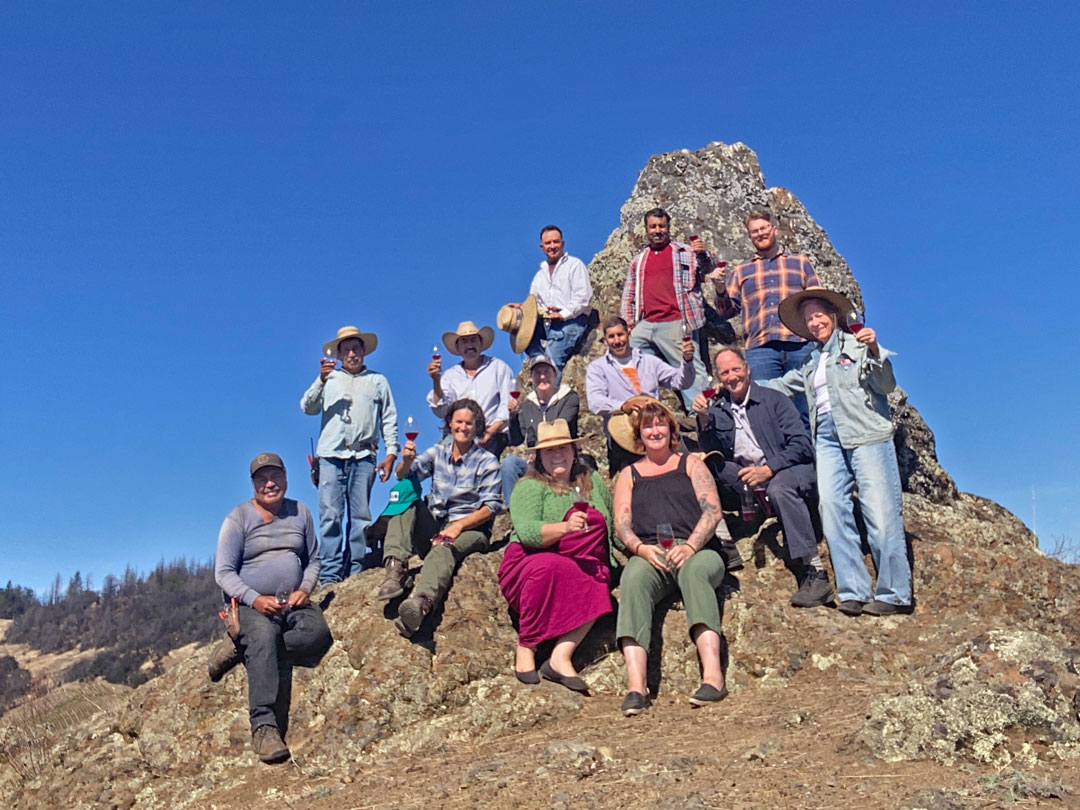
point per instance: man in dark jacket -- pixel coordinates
(765, 446)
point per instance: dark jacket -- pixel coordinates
(776, 424)
(564, 404)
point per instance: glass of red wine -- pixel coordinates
(854, 321)
(580, 504)
(710, 392)
(515, 394)
(665, 536)
(435, 353)
(410, 429)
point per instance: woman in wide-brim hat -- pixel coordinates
(667, 498)
(556, 570)
(846, 380)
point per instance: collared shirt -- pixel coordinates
(687, 277)
(356, 410)
(747, 450)
(459, 488)
(607, 387)
(489, 388)
(566, 287)
(756, 289)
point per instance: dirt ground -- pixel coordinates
(785, 748)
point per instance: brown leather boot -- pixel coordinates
(268, 745)
(411, 614)
(393, 585)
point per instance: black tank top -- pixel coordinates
(665, 498)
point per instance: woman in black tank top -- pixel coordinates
(666, 488)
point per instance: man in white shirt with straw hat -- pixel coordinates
(357, 408)
(485, 380)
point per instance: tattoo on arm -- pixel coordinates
(709, 501)
(623, 519)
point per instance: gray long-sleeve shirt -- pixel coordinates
(257, 559)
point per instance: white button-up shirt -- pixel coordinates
(566, 286)
(489, 388)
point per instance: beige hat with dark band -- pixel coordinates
(467, 329)
(793, 320)
(344, 333)
(520, 321)
(555, 433)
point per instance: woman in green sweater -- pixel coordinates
(556, 571)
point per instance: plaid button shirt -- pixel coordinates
(756, 289)
(687, 285)
(459, 489)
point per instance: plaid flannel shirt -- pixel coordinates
(756, 289)
(687, 285)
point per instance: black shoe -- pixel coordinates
(707, 694)
(571, 682)
(850, 607)
(529, 678)
(815, 590)
(635, 703)
(729, 553)
(878, 608)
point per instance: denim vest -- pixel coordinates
(858, 389)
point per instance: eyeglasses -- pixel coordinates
(761, 231)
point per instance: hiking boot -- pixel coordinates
(635, 703)
(411, 614)
(268, 745)
(877, 608)
(815, 590)
(393, 585)
(225, 656)
(729, 553)
(850, 607)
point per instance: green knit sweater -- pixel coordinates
(532, 504)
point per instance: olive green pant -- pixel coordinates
(642, 587)
(412, 530)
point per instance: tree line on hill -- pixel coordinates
(134, 620)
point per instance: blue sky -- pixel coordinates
(193, 197)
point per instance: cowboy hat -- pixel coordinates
(555, 433)
(793, 320)
(520, 321)
(621, 426)
(466, 329)
(370, 341)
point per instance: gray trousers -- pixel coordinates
(271, 648)
(412, 530)
(642, 586)
(791, 507)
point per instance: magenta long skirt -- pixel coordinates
(559, 588)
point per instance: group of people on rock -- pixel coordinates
(796, 423)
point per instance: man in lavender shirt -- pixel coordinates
(615, 381)
(267, 566)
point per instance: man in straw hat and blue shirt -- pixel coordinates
(485, 380)
(357, 410)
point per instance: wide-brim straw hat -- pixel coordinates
(621, 427)
(370, 340)
(555, 433)
(467, 329)
(520, 321)
(793, 320)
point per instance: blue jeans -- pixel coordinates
(513, 467)
(343, 545)
(562, 337)
(664, 340)
(873, 469)
(776, 358)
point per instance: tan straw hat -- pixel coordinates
(621, 426)
(793, 320)
(520, 321)
(465, 329)
(370, 341)
(555, 433)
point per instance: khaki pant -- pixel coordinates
(412, 530)
(642, 586)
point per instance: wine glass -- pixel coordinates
(665, 536)
(514, 394)
(580, 504)
(854, 321)
(435, 353)
(410, 429)
(281, 596)
(710, 392)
